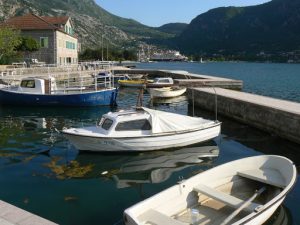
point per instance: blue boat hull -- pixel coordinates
(103, 97)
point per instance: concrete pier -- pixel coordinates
(276, 116)
(12, 215)
(184, 78)
(181, 77)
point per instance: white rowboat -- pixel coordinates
(226, 194)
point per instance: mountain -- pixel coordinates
(273, 27)
(172, 28)
(90, 20)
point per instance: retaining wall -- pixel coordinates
(276, 116)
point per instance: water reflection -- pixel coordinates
(175, 100)
(131, 169)
(252, 138)
(34, 156)
(282, 216)
(36, 129)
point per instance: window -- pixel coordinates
(44, 42)
(164, 81)
(70, 45)
(134, 125)
(28, 84)
(106, 124)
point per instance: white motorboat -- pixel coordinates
(142, 129)
(161, 82)
(166, 92)
(245, 191)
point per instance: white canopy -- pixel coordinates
(169, 122)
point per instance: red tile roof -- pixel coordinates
(34, 22)
(56, 20)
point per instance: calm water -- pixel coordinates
(42, 173)
(275, 80)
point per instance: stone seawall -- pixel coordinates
(276, 116)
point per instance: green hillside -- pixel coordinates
(270, 27)
(173, 28)
(90, 20)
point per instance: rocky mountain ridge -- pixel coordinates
(90, 20)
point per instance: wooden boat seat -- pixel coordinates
(158, 218)
(224, 198)
(267, 176)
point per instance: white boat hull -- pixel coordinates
(165, 92)
(261, 219)
(213, 194)
(144, 143)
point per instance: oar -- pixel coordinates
(244, 205)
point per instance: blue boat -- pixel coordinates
(44, 92)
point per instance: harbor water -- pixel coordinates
(41, 172)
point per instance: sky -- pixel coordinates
(158, 12)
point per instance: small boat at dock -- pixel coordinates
(142, 129)
(166, 92)
(36, 91)
(160, 82)
(244, 191)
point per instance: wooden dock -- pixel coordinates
(276, 116)
(12, 215)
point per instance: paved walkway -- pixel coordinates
(12, 215)
(283, 105)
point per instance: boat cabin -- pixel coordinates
(144, 121)
(37, 85)
(163, 80)
(126, 123)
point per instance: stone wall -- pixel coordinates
(284, 123)
(46, 55)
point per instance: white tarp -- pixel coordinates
(162, 122)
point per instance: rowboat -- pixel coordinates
(43, 91)
(245, 191)
(142, 129)
(166, 92)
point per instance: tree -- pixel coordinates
(28, 44)
(9, 40)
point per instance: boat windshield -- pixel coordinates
(106, 124)
(28, 84)
(134, 125)
(159, 80)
